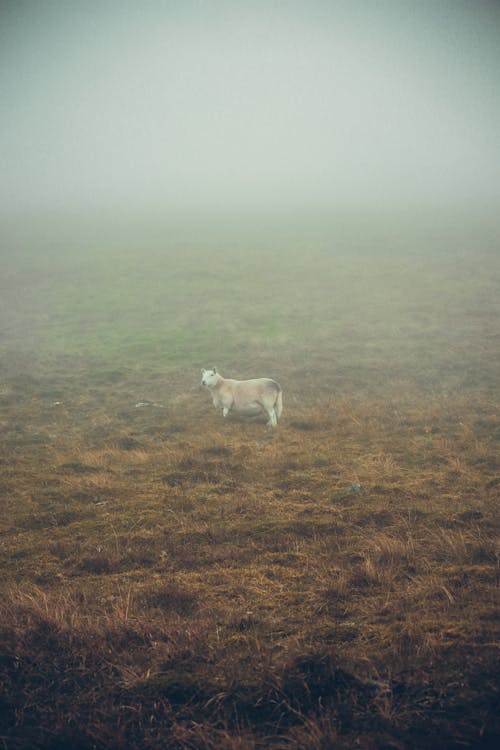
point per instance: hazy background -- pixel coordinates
(190, 106)
(278, 187)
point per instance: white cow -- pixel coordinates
(246, 397)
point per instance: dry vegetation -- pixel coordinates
(173, 580)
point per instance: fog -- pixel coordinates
(222, 106)
(301, 190)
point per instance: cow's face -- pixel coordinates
(209, 377)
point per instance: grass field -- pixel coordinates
(171, 579)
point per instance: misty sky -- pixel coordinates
(137, 105)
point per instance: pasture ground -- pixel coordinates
(174, 580)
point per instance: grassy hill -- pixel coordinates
(173, 579)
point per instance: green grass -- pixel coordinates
(164, 302)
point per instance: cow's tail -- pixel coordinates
(278, 406)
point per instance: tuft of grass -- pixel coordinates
(171, 597)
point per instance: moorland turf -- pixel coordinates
(171, 579)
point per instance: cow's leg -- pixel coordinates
(225, 411)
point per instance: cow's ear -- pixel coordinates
(214, 369)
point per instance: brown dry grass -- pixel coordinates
(173, 580)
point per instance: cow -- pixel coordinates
(245, 397)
